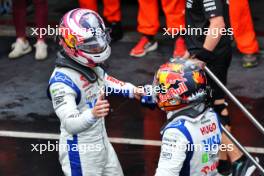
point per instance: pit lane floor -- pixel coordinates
(24, 107)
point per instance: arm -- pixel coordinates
(213, 11)
(64, 104)
(212, 40)
(172, 153)
(117, 87)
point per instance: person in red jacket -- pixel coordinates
(244, 34)
(148, 25)
(111, 14)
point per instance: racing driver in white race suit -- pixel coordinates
(192, 135)
(75, 87)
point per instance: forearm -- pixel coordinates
(64, 104)
(77, 122)
(212, 39)
(119, 88)
(206, 53)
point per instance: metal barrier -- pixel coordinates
(236, 101)
(232, 138)
(246, 112)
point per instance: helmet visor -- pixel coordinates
(94, 45)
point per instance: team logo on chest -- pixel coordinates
(208, 129)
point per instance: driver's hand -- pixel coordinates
(101, 108)
(138, 92)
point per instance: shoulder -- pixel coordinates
(177, 128)
(213, 116)
(65, 75)
(64, 80)
(176, 123)
(210, 113)
(174, 138)
(67, 72)
(173, 133)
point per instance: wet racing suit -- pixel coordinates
(73, 98)
(190, 144)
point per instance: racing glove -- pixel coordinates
(205, 56)
(148, 99)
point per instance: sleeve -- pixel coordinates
(117, 87)
(173, 153)
(64, 103)
(212, 8)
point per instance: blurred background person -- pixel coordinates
(244, 34)
(22, 46)
(111, 15)
(148, 25)
(216, 52)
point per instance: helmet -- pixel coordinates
(84, 38)
(179, 83)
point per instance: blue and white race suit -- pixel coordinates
(190, 145)
(88, 151)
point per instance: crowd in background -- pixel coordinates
(148, 26)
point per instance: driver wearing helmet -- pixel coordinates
(76, 87)
(192, 135)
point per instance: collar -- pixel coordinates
(65, 61)
(191, 113)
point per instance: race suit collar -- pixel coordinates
(64, 61)
(190, 113)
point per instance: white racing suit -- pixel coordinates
(73, 98)
(190, 145)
